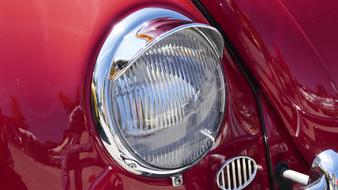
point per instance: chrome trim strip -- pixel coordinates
(228, 175)
(239, 171)
(233, 174)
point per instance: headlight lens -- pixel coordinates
(168, 104)
(163, 106)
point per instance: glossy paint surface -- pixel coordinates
(290, 48)
(282, 150)
(47, 136)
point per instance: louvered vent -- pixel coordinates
(236, 173)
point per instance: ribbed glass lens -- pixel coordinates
(168, 104)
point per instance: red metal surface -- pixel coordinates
(283, 152)
(290, 46)
(47, 136)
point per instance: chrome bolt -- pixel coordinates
(177, 180)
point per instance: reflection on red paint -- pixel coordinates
(14, 132)
(290, 59)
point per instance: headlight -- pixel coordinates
(158, 91)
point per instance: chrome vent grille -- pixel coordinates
(236, 173)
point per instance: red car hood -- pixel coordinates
(315, 83)
(319, 23)
(291, 47)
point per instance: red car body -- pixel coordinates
(280, 67)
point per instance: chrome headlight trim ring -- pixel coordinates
(113, 60)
